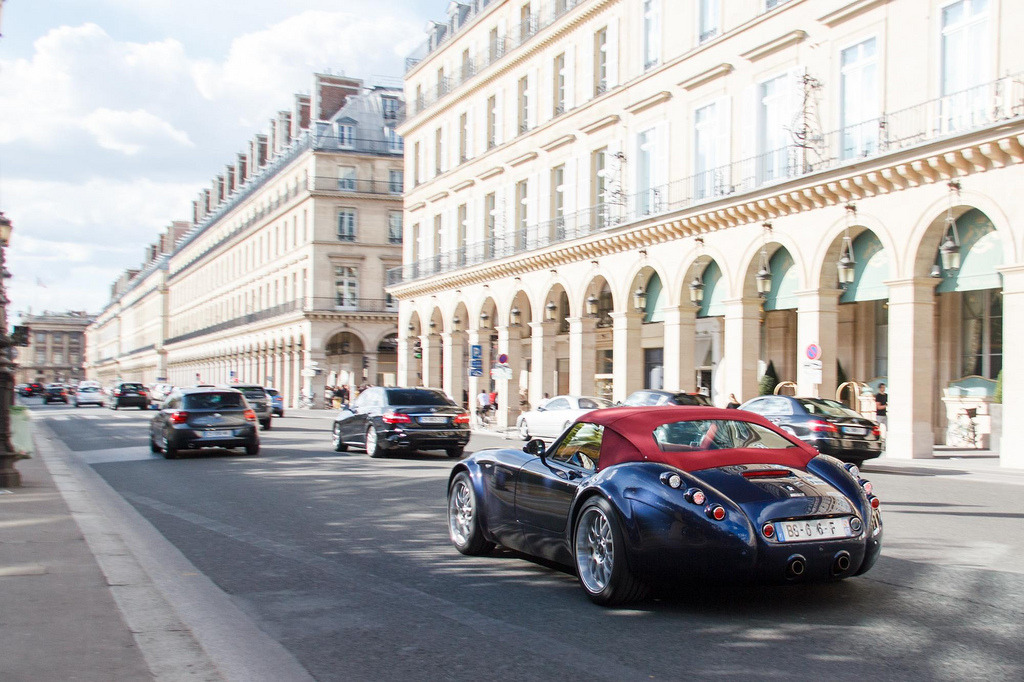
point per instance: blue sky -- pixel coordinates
(114, 113)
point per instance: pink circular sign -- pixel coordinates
(813, 351)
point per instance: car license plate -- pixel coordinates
(433, 420)
(217, 434)
(854, 430)
(812, 529)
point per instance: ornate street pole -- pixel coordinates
(9, 477)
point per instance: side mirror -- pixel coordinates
(535, 447)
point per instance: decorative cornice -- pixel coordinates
(465, 184)
(849, 11)
(525, 158)
(417, 206)
(558, 142)
(600, 123)
(437, 197)
(706, 76)
(648, 102)
(492, 172)
(773, 46)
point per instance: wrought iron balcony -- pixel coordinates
(355, 186)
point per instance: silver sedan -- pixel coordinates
(553, 416)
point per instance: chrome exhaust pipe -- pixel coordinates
(796, 566)
(841, 563)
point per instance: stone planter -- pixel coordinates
(9, 476)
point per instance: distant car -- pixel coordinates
(258, 400)
(194, 418)
(129, 394)
(88, 395)
(55, 393)
(383, 420)
(651, 397)
(276, 401)
(33, 388)
(632, 496)
(22, 390)
(158, 394)
(826, 425)
(553, 416)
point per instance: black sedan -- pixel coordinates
(391, 419)
(826, 425)
(194, 418)
(55, 393)
(629, 496)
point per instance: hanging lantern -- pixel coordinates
(456, 324)
(592, 306)
(846, 265)
(764, 272)
(640, 299)
(485, 321)
(550, 311)
(515, 317)
(697, 291)
(949, 251)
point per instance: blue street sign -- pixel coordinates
(476, 351)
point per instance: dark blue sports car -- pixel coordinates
(628, 496)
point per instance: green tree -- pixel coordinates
(769, 380)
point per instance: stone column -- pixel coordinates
(817, 323)
(296, 375)
(404, 362)
(1010, 453)
(430, 349)
(627, 354)
(911, 385)
(543, 360)
(314, 385)
(740, 352)
(478, 337)
(680, 334)
(510, 344)
(582, 355)
(454, 379)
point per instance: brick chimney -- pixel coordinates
(229, 179)
(300, 115)
(330, 94)
(241, 170)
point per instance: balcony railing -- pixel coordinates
(354, 186)
(956, 114)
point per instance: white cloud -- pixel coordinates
(131, 131)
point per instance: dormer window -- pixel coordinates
(346, 130)
(389, 105)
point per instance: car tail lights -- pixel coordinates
(461, 418)
(695, 495)
(768, 529)
(853, 469)
(395, 418)
(250, 414)
(117, 391)
(866, 484)
(179, 417)
(876, 431)
(874, 501)
(715, 511)
(822, 427)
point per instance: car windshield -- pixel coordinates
(211, 401)
(89, 389)
(829, 408)
(131, 387)
(404, 397)
(716, 434)
(594, 403)
(690, 399)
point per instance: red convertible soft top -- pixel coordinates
(629, 437)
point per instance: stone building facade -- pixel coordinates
(56, 348)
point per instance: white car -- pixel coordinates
(88, 395)
(553, 416)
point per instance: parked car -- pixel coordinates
(88, 395)
(194, 418)
(553, 416)
(383, 420)
(826, 425)
(276, 401)
(55, 393)
(129, 394)
(651, 396)
(631, 496)
(258, 400)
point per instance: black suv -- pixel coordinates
(650, 396)
(55, 393)
(129, 394)
(193, 418)
(383, 419)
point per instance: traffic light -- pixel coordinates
(19, 337)
(417, 351)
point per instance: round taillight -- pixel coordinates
(674, 481)
(866, 484)
(696, 496)
(875, 502)
(768, 529)
(855, 524)
(716, 511)
(854, 470)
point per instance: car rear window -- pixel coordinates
(211, 401)
(829, 408)
(405, 397)
(254, 393)
(89, 389)
(717, 434)
(690, 399)
(131, 387)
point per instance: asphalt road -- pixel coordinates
(345, 561)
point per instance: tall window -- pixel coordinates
(467, 65)
(442, 82)
(965, 64)
(463, 137)
(347, 178)
(652, 29)
(461, 224)
(705, 159)
(601, 61)
(858, 106)
(648, 200)
(416, 247)
(525, 22)
(557, 229)
(772, 135)
(559, 85)
(524, 104)
(396, 181)
(346, 135)
(395, 227)
(492, 121)
(599, 186)
(437, 242)
(982, 333)
(522, 197)
(707, 19)
(393, 140)
(389, 105)
(346, 224)
(494, 46)
(438, 149)
(416, 164)
(346, 286)
(490, 220)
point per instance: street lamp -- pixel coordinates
(485, 321)
(549, 311)
(515, 316)
(592, 305)
(764, 272)
(847, 265)
(949, 251)
(697, 291)
(640, 299)
(9, 476)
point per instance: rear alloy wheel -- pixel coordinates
(464, 518)
(524, 430)
(455, 452)
(265, 425)
(373, 448)
(170, 452)
(153, 447)
(600, 553)
(336, 439)
(252, 448)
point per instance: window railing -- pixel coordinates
(353, 185)
(955, 114)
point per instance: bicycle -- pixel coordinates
(963, 432)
